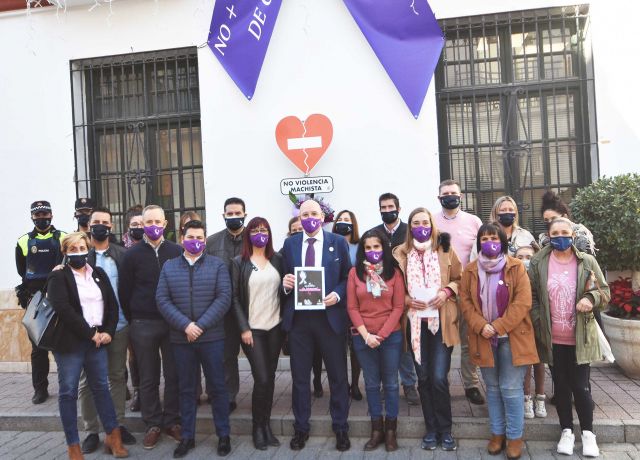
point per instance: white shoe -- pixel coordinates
(589, 445)
(540, 409)
(567, 440)
(528, 407)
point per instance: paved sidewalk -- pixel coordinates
(33, 445)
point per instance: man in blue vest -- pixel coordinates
(37, 252)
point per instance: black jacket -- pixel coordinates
(62, 292)
(117, 254)
(241, 271)
(399, 236)
(139, 274)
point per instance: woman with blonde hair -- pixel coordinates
(85, 303)
(505, 213)
(431, 272)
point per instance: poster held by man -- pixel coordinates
(309, 289)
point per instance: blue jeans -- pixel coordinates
(94, 362)
(433, 381)
(408, 376)
(189, 357)
(380, 365)
(505, 394)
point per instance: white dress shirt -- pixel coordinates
(90, 297)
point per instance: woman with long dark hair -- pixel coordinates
(375, 303)
(256, 276)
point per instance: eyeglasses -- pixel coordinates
(255, 231)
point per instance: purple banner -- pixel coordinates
(239, 37)
(406, 37)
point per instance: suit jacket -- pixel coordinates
(62, 291)
(336, 263)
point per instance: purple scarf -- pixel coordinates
(492, 291)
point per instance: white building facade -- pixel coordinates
(126, 105)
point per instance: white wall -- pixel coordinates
(318, 62)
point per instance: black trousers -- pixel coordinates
(263, 358)
(39, 368)
(570, 378)
(231, 350)
(311, 330)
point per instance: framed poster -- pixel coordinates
(309, 288)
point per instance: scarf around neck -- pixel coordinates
(489, 284)
(375, 282)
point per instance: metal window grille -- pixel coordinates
(516, 108)
(136, 121)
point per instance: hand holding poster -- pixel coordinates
(309, 288)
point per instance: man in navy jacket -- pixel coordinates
(325, 329)
(194, 294)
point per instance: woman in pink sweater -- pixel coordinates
(375, 302)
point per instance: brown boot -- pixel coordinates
(74, 452)
(377, 435)
(496, 444)
(113, 444)
(390, 436)
(514, 448)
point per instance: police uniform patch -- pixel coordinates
(34, 249)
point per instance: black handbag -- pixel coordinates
(41, 321)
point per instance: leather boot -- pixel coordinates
(74, 452)
(259, 436)
(113, 444)
(514, 448)
(377, 435)
(271, 439)
(496, 444)
(390, 435)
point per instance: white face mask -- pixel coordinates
(526, 263)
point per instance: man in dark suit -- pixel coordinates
(325, 330)
(396, 230)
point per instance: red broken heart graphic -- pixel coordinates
(304, 142)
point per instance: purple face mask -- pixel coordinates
(310, 224)
(491, 248)
(373, 256)
(153, 232)
(421, 234)
(259, 240)
(193, 246)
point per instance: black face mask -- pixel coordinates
(83, 219)
(343, 228)
(136, 233)
(234, 223)
(42, 223)
(77, 261)
(450, 201)
(507, 219)
(389, 217)
(100, 232)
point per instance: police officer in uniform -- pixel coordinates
(37, 252)
(84, 208)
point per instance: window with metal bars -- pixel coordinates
(516, 108)
(136, 121)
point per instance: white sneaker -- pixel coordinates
(528, 407)
(589, 445)
(567, 440)
(540, 410)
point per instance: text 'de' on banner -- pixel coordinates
(406, 37)
(239, 36)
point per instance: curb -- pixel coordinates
(608, 431)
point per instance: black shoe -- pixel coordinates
(224, 446)
(127, 438)
(135, 402)
(354, 391)
(259, 436)
(40, 396)
(342, 441)
(298, 440)
(271, 439)
(184, 447)
(474, 396)
(232, 406)
(448, 442)
(90, 443)
(430, 441)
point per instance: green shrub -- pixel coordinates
(610, 208)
